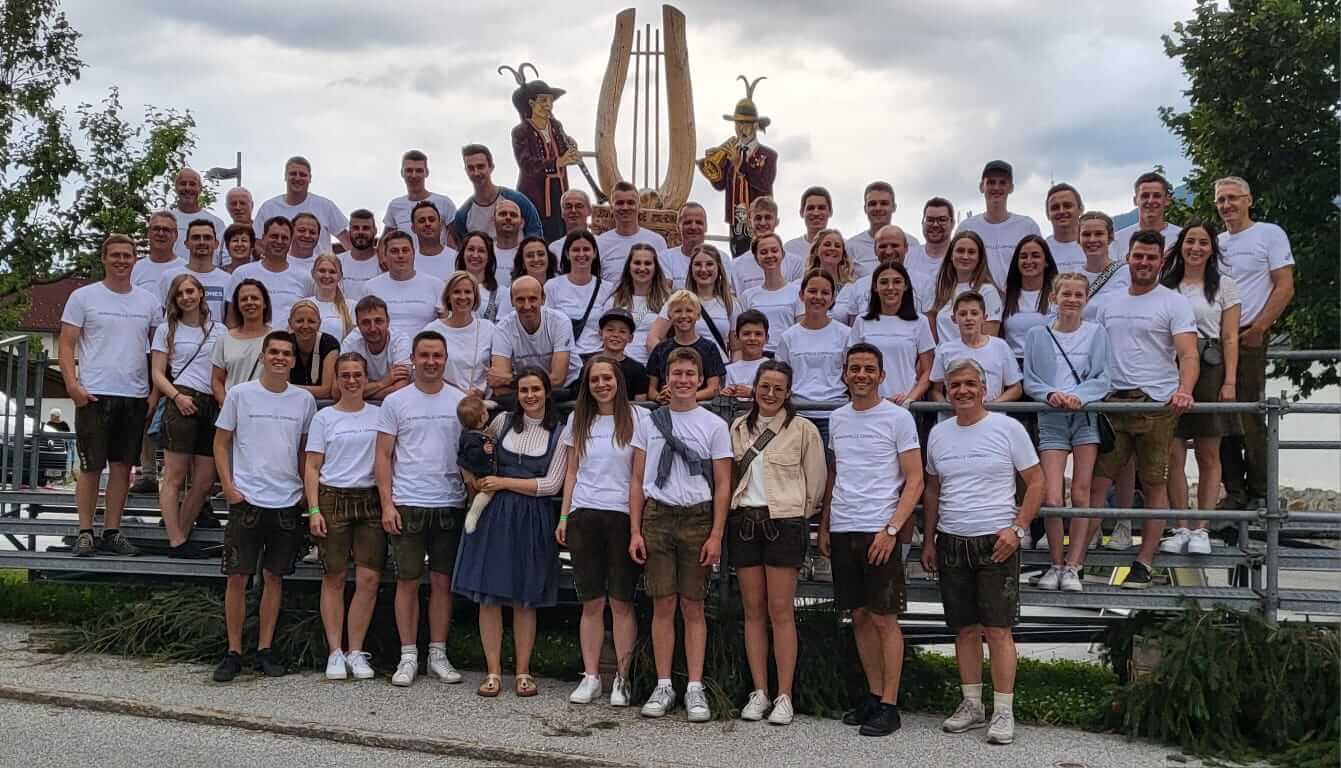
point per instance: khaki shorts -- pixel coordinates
(975, 590)
(426, 532)
(191, 435)
(353, 527)
(108, 431)
(674, 537)
(275, 538)
(1143, 435)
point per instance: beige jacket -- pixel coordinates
(794, 466)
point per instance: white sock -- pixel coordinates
(973, 693)
(695, 685)
(337, 652)
(1002, 702)
(663, 682)
(436, 648)
(409, 652)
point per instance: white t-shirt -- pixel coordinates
(816, 358)
(606, 470)
(778, 306)
(714, 310)
(976, 466)
(868, 478)
(1122, 239)
(215, 282)
(1141, 353)
(189, 343)
(675, 263)
(703, 433)
(1018, 325)
(239, 359)
(357, 272)
(180, 248)
(399, 209)
(923, 270)
(1069, 257)
(1000, 239)
(1251, 256)
(440, 266)
(469, 353)
(861, 251)
(268, 429)
(643, 317)
(423, 463)
(554, 334)
(147, 273)
(411, 304)
(746, 274)
(565, 296)
(743, 372)
(348, 444)
(284, 287)
(331, 321)
(945, 319)
(503, 261)
(332, 219)
(397, 350)
(113, 338)
(614, 250)
(995, 357)
(852, 300)
(798, 249)
(502, 304)
(1206, 314)
(1115, 286)
(900, 342)
(480, 217)
(1077, 346)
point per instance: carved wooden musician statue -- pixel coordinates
(542, 149)
(742, 166)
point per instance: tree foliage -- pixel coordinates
(62, 191)
(1265, 104)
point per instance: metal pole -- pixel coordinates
(1272, 513)
(21, 400)
(39, 380)
(239, 169)
(6, 448)
(656, 124)
(637, 82)
(647, 106)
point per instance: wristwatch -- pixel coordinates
(892, 530)
(1020, 531)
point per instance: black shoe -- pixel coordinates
(883, 722)
(116, 543)
(188, 550)
(1139, 577)
(207, 518)
(267, 665)
(145, 485)
(85, 545)
(228, 668)
(858, 715)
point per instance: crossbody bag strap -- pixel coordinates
(582, 324)
(712, 328)
(1103, 278)
(1065, 356)
(491, 309)
(172, 378)
(760, 443)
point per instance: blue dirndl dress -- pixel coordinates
(512, 558)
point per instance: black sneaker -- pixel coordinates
(883, 722)
(207, 518)
(116, 543)
(84, 545)
(145, 485)
(268, 665)
(1139, 577)
(187, 550)
(229, 667)
(858, 715)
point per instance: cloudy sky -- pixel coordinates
(919, 94)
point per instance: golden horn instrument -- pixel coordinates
(715, 158)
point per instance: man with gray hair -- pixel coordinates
(575, 208)
(692, 222)
(187, 185)
(969, 504)
(239, 204)
(1257, 255)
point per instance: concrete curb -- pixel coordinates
(340, 734)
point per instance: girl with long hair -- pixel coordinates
(892, 324)
(1028, 291)
(774, 297)
(814, 347)
(708, 280)
(477, 257)
(328, 274)
(579, 292)
(963, 269)
(828, 251)
(642, 289)
(535, 259)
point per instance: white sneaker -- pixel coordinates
(1042, 542)
(336, 668)
(1121, 538)
(1002, 730)
(441, 667)
(1051, 579)
(782, 711)
(406, 669)
(313, 556)
(969, 714)
(1071, 580)
(359, 666)
(1176, 543)
(619, 692)
(696, 705)
(587, 690)
(756, 707)
(1199, 542)
(660, 702)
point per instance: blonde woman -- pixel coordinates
(328, 274)
(708, 280)
(828, 252)
(314, 361)
(180, 366)
(470, 339)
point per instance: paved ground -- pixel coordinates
(455, 715)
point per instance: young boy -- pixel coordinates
(617, 326)
(683, 308)
(1004, 380)
(752, 335)
(682, 470)
(475, 453)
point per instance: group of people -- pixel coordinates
(446, 344)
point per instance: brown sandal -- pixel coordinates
(525, 686)
(490, 686)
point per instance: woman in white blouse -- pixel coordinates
(470, 339)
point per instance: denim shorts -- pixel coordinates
(1064, 431)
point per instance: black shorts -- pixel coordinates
(432, 532)
(598, 540)
(753, 539)
(192, 435)
(109, 430)
(275, 538)
(858, 584)
(975, 590)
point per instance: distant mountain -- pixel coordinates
(1129, 218)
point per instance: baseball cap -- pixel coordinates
(618, 313)
(999, 166)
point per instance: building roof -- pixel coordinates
(46, 301)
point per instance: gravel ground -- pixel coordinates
(546, 722)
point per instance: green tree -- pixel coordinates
(1265, 104)
(59, 197)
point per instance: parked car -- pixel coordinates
(51, 456)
